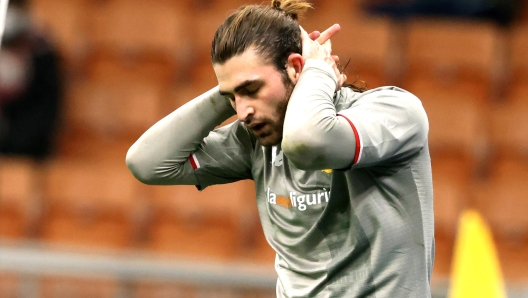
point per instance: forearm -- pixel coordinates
(160, 154)
(314, 137)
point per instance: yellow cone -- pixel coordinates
(476, 271)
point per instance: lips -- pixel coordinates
(257, 126)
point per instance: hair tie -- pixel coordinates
(276, 5)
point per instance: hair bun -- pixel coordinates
(276, 4)
(292, 8)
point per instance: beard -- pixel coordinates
(271, 133)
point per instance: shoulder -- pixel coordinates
(387, 97)
(348, 96)
(237, 132)
(392, 102)
(390, 93)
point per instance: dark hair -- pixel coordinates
(354, 86)
(272, 30)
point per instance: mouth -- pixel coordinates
(257, 127)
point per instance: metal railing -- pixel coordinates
(31, 262)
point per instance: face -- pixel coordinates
(258, 92)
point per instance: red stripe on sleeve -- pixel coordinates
(193, 162)
(358, 140)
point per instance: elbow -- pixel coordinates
(137, 167)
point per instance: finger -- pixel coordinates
(304, 34)
(336, 58)
(305, 39)
(314, 35)
(341, 81)
(334, 66)
(328, 46)
(338, 73)
(328, 33)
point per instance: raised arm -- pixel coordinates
(314, 137)
(383, 124)
(161, 155)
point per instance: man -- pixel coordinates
(343, 178)
(30, 87)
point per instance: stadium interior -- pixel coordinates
(127, 63)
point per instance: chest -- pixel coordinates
(280, 185)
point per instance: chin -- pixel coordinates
(269, 141)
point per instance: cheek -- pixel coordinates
(278, 92)
(277, 96)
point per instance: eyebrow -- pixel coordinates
(242, 85)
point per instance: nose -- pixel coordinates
(244, 109)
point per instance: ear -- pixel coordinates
(294, 66)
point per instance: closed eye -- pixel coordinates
(249, 92)
(247, 88)
(251, 89)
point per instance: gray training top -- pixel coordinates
(361, 231)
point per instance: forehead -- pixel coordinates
(244, 67)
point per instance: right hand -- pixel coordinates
(318, 46)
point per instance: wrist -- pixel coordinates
(319, 65)
(221, 104)
(212, 107)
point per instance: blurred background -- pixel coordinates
(81, 80)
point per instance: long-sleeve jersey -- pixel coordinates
(361, 228)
